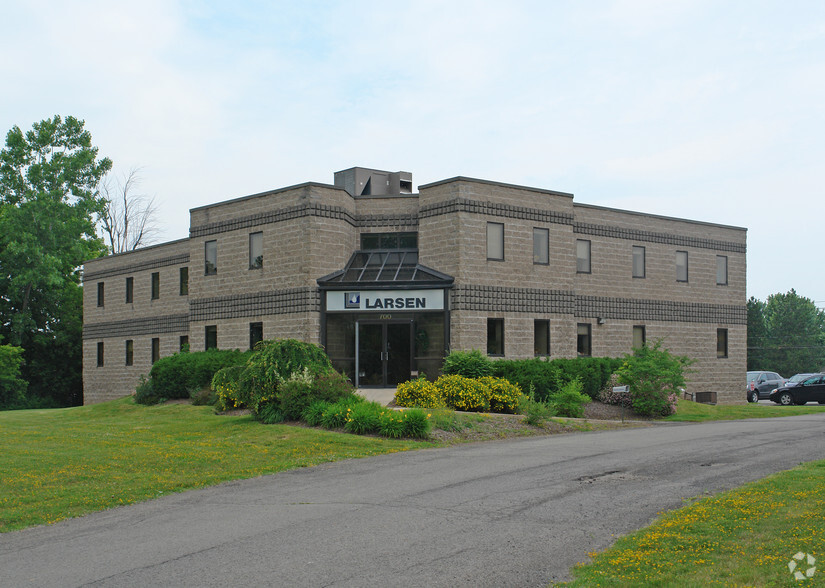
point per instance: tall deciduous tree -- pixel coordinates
(129, 218)
(48, 204)
(757, 335)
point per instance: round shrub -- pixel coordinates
(145, 392)
(418, 392)
(463, 393)
(470, 364)
(294, 396)
(332, 387)
(175, 376)
(416, 423)
(225, 385)
(569, 401)
(504, 396)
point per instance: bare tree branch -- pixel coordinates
(129, 219)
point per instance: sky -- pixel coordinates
(708, 110)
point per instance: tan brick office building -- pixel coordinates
(389, 281)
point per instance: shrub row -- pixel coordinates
(181, 374)
(547, 377)
(458, 392)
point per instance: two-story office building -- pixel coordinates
(388, 281)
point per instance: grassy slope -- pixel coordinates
(693, 411)
(63, 463)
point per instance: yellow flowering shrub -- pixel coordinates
(504, 396)
(225, 385)
(419, 392)
(463, 393)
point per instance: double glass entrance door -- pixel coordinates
(385, 353)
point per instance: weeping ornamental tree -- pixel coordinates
(48, 206)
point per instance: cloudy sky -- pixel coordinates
(710, 110)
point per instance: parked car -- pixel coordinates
(761, 384)
(796, 378)
(808, 390)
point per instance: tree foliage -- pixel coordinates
(48, 206)
(655, 376)
(12, 388)
(786, 334)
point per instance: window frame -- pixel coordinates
(101, 294)
(718, 259)
(589, 339)
(183, 340)
(686, 267)
(130, 290)
(183, 283)
(254, 341)
(130, 352)
(100, 352)
(210, 265)
(155, 285)
(541, 237)
(588, 259)
(155, 349)
(644, 336)
(491, 237)
(537, 337)
(634, 250)
(722, 343)
(496, 327)
(256, 240)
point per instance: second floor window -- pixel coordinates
(541, 246)
(184, 281)
(638, 262)
(155, 285)
(722, 270)
(256, 250)
(681, 266)
(582, 256)
(100, 293)
(495, 241)
(210, 254)
(130, 290)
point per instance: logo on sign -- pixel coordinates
(352, 300)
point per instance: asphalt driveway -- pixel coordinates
(514, 513)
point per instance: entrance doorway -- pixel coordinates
(384, 353)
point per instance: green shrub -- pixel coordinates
(463, 393)
(654, 376)
(203, 397)
(419, 392)
(416, 423)
(145, 392)
(335, 416)
(391, 424)
(550, 376)
(295, 395)
(12, 388)
(470, 364)
(227, 389)
(270, 415)
(314, 413)
(363, 418)
(535, 412)
(569, 401)
(176, 375)
(332, 387)
(505, 397)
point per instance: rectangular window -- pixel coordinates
(722, 270)
(582, 256)
(155, 285)
(638, 261)
(210, 254)
(256, 250)
(681, 266)
(495, 241)
(583, 343)
(211, 337)
(256, 334)
(721, 342)
(130, 290)
(130, 352)
(155, 349)
(541, 338)
(184, 342)
(639, 336)
(541, 246)
(100, 354)
(371, 241)
(184, 281)
(100, 293)
(495, 336)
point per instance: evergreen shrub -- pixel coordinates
(175, 376)
(470, 364)
(569, 401)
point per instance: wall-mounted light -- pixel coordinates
(600, 320)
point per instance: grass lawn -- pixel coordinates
(63, 463)
(744, 537)
(693, 411)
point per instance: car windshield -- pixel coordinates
(799, 378)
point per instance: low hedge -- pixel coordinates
(461, 393)
(547, 377)
(176, 376)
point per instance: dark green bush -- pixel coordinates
(335, 416)
(145, 392)
(204, 397)
(270, 415)
(535, 412)
(12, 387)
(313, 414)
(416, 424)
(547, 377)
(470, 364)
(176, 375)
(332, 387)
(391, 424)
(294, 396)
(569, 401)
(364, 418)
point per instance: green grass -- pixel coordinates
(62, 463)
(694, 412)
(744, 537)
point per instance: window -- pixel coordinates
(681, 266)
(130, 352)
(639, 336)
(210, 254)
(541, 246)
(100, 293)
(722, 270)
(184, 281)
(582, 256)
(211, 337)
(256, 334)
(256, 250)
(184, 342)
(541, 337)
(721, 342)
(100, 354)
(155, 349)
(583, 345)
(495, 336)
(155, 285)
(638, 261)
(389, 241)
(495, 241)
(130, 290)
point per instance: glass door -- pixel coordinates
(384, 356)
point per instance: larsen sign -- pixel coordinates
(383, 300)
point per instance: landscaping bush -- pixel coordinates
(505, 397)
(391, 424)
(226, 387)
(463, 393)
(416, 424)
(569, 401)
(270, 414)
(12, 387)
(203, 397)
(535, 412)
(608, 396)
(550, 376)
(654, 376)
(470, 364)
(145, 392)
(175, 376)
(335, 416)
(332, 387)
(295, 395)
(363, 418)
(419, 392)
(314, 413)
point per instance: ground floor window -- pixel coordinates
(155, 350)
(100, 354)
(256, 334)
(639, 336)
(721, 342)
(541, 338)
(184, 342)
(583, 342)
(130, 352)
(495, 336)
(211, 337)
